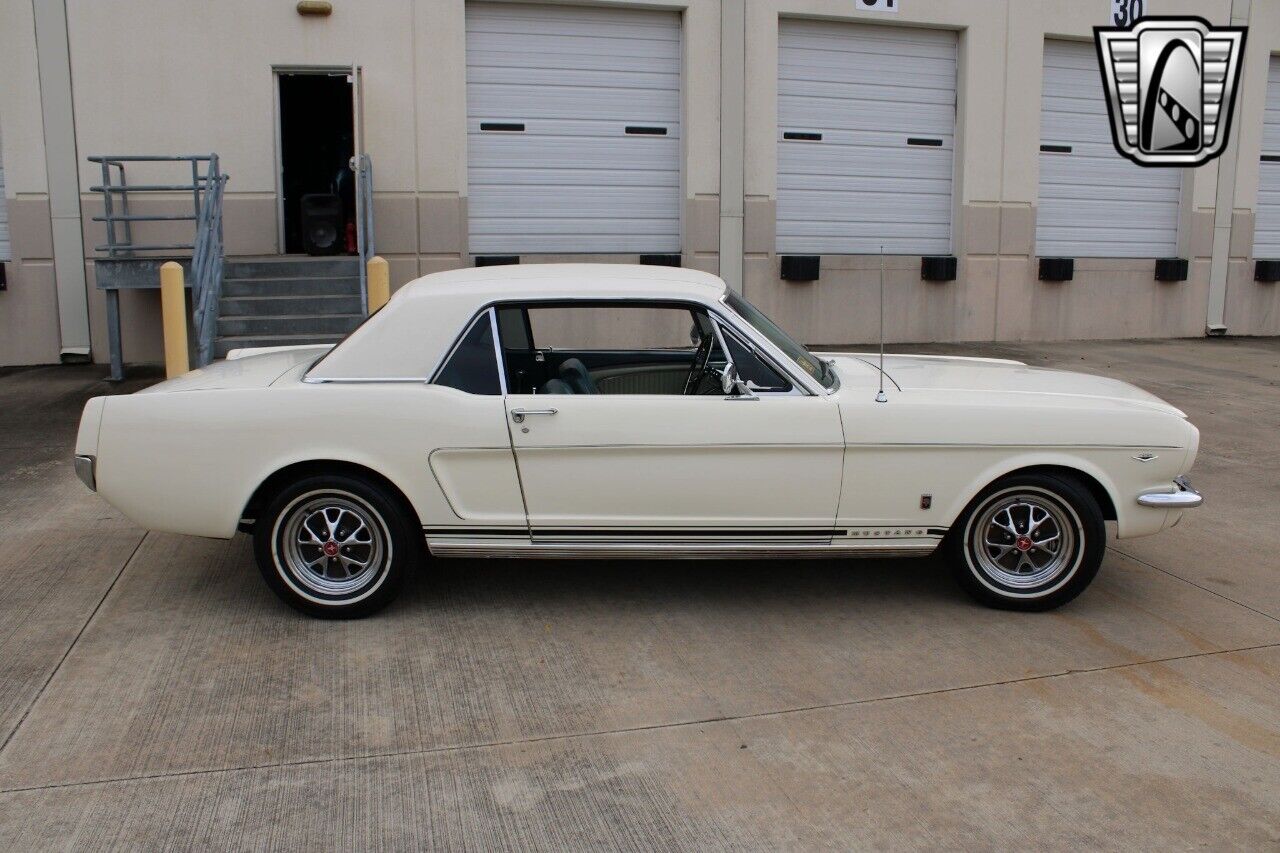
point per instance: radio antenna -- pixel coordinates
(880, 396)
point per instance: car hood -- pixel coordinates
(997, 376)
(246, 368)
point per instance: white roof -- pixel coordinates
(569, 280)
(408, 337)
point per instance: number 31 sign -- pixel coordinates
(1125, 12)
(877, 5)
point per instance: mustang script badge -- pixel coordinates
(1170, 86)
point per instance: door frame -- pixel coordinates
(349, 70)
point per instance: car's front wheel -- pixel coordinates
(1028, 542)
(335, 546)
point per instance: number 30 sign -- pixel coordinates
(877, 5)
(1125, 12)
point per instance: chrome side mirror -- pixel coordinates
(733, 386)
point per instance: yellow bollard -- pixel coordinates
(173, 311)
(379, 283)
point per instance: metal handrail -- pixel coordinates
(364, 233)
(206, 264)
(115, 187)
(207, 188)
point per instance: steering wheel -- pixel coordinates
(701, 360)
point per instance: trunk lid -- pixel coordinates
(242, 369)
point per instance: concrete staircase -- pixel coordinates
(269, 302)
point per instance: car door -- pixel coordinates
(649, 466)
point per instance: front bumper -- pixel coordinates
(1182, 497)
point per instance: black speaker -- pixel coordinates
(1267, 271)
(1057, 269)
(321, 224)
(800, 268)
(1171, 269)
(938, 268)
(660, 260)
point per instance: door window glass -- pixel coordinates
(610, 327)
(605, 348)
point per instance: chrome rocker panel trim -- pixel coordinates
(1182, 497)
(676, 547)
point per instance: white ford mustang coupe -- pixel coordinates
(622, 411)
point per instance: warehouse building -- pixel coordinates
(783, 144)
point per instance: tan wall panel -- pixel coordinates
(395, 223)
(21, 125)
(1108, 298)
(981, 229)
(843, 306)
(427, 264)
(193, 81)
(702, 224)
(29, 229)
(709, 262)
(442, 223)
(1253, 308)
(29, 314)
(29, 305)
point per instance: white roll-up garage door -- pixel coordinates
(5, 249)
(1094, 203)
(866, 135)
(573, 129)
(1266, 234)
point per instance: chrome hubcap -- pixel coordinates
(1023, 541)
(333, 544)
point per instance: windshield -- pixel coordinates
(809, 363)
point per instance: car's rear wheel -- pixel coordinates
(335, 546)
(1028, 542)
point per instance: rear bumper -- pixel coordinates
(86, 470)
(1183, 496)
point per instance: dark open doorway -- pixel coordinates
(317, 142)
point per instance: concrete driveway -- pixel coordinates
(153, 693)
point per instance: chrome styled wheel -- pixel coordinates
(337, 545)
(1024, 540)
(331, 546)
(1031, 541)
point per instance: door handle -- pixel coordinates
(518, 415)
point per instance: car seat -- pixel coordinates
(555, 386)
(575, 373)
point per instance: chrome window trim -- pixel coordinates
(358, 380)
(777, 359)
(718, 310)
(812, 385)
(794, 391)
(497, 351)
(457, 342)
